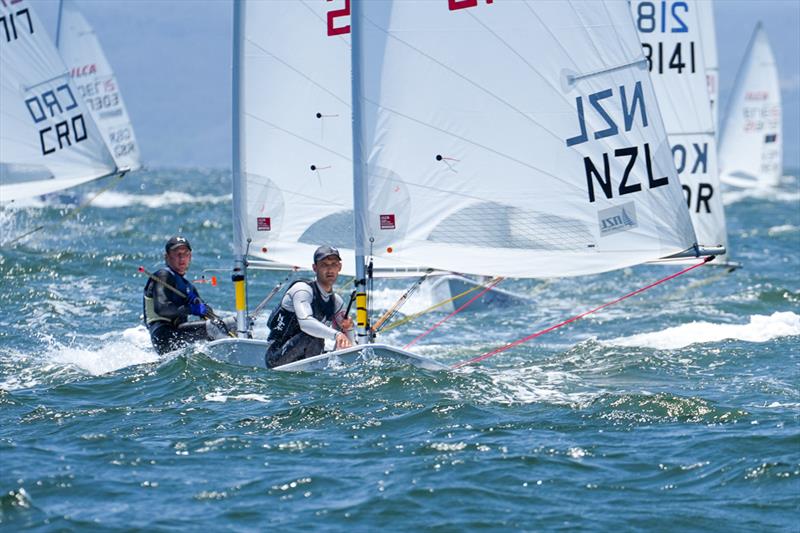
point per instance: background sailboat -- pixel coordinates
(97, 85)
(675, 47)
(751, 142)
(48, 140)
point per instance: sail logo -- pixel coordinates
(617, 219)
(85, 70)
(387, 221)
(756, 95)
(263, 224)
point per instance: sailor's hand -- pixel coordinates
(342, 341)
(347, 324)
(198, 308)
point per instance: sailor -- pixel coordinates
(309, 313)
(166, 312)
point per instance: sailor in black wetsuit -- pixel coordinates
(165, 312)
(309, 313)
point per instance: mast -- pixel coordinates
(359, 185)
(238, 276)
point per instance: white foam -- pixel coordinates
(761, 328)
(767, 193)
(222, 397)
(132, 347)
(114, 200)
(786, 228)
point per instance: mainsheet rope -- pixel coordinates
(573, 319)
(411, 317)
(494, 282)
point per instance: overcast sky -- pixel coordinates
(172, 59)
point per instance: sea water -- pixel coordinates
(674, 410)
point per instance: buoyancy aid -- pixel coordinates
(177, 315)
(283, 324)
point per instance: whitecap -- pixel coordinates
(761, 328)
(114, 200)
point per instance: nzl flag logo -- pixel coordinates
(616, 219)
(771, 138)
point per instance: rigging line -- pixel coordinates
(411, 317)
(75, 211)
(577, 317)
(392, 311)
(491, 284)
(260, 307)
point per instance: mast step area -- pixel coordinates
(251, 352)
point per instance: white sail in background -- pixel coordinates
(751, 142)
(294, 152)
(708, 36)
(92, 75)
(511, 138)
(48, 140)
(672, 44)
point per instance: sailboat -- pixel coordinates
(97, 85)
(48, 139)
(514, 139)
(674, 44)
(751, 142)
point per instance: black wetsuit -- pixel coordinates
(288, 342)
(166, 313)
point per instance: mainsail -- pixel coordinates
(750, 149)
(292, 162)
(675, 50)
(513, 138)
(92, 75)
(48, 140)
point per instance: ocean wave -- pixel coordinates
(785, 228)
(65, 362)
(114, 200)
(771, 194)
(761, 328)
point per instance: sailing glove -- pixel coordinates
(198, 308)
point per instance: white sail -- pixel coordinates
(672, 43)
(48, 140)
(512, 138)
(294, 131)
(92, 75)
(708, 36)
(751, 140)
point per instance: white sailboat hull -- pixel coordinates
(251, 352)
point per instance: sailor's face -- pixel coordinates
(328, 270)
(178, 259)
